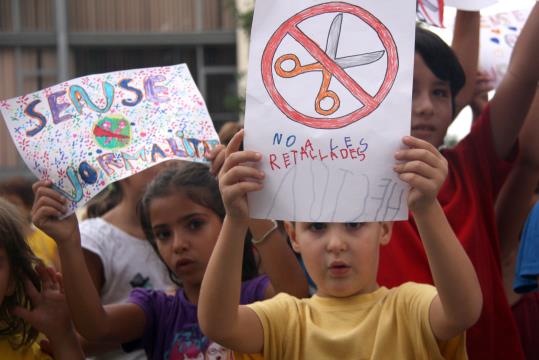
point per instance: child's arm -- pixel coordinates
(514, 201)
(50, 316)
(510, 104)
(277, 258)
(220, 316)
(278, 261)
(114, 323)
(483, 85)
(465, 44)
(459, 301)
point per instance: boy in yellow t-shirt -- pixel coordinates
(350, 316)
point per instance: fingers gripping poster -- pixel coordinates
(328, 100)
(86, 133)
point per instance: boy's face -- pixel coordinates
(432, 111)
(341, 258)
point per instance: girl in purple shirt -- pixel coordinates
(181, 214)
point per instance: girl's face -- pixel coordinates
(6, 285)
(432, 110)
(185, 234)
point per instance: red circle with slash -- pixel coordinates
(370, 103)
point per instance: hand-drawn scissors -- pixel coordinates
(331, 50)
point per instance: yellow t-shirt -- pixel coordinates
(43, 247)
(32, 352)
(385, 324)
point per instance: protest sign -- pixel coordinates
(470, 5)
(431, 12)
(86, 133)
(328, 100)
(499, 33)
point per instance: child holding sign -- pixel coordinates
(182, 215)
(350, 316)
(117, 254)
(477, 169)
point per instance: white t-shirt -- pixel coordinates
(128, 263)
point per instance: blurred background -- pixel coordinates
(43, 42)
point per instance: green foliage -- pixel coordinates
(246, 21)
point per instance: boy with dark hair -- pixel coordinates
(477, 168)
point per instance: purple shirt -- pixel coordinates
(172, 330)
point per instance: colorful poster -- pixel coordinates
(328, 100)
(86, 133)
(499, 33)
(431, 12)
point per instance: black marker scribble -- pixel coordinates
(388, 203)
(384, 184)
(345, 173)
(323, 199)
(365, 199)
(278, 192)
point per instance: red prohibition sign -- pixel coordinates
(370, 103)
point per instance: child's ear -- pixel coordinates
(291, 231)
(386, 228)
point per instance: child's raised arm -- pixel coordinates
(220, 314)
(514, 201)
(510, 104)
(459, 301)
(115, 323)
(465, 44)
(286, 275)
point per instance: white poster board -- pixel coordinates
(431, 12)
(328, 101)
(470, 5)
(499, 33)
(86, 133)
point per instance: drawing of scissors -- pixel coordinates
(331, 50)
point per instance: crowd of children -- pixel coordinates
(169, 264)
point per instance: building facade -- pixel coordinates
(43, 42)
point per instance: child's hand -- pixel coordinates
(50, 314)
(237, 178)
(217, 158)
(424, 169)
(483, 85)
(48, 207)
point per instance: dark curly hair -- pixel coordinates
(22, 262)
(196, 182)
(105, 201)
